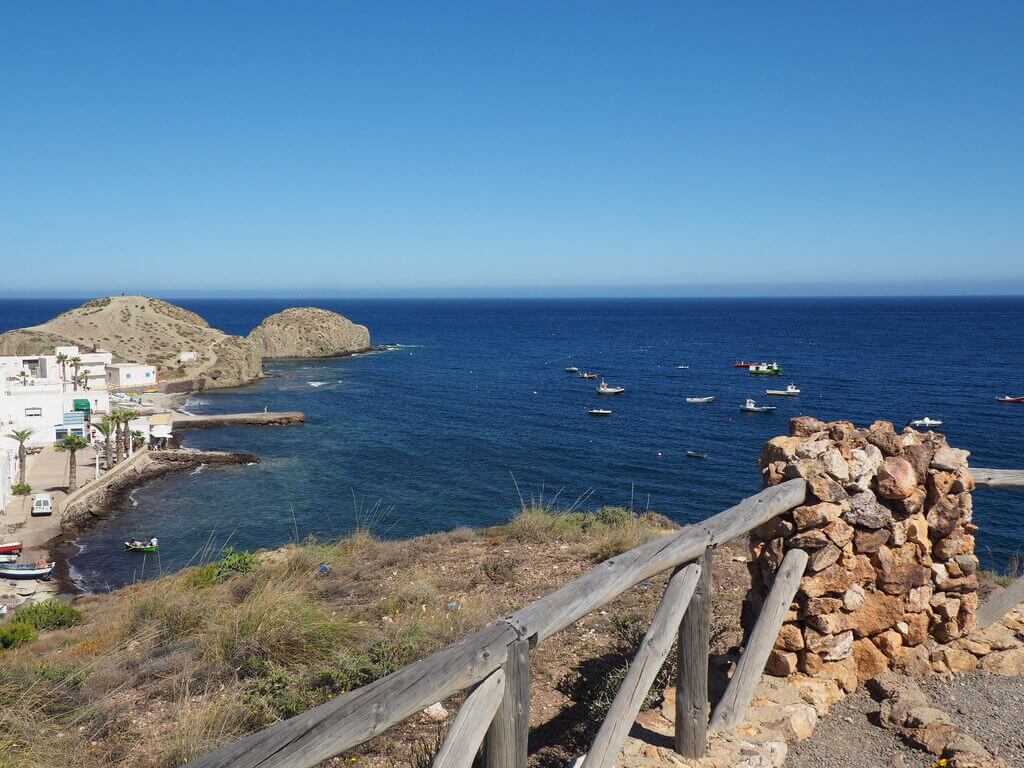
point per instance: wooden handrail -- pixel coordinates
(467, 731)
(998, 478)
(307, 739)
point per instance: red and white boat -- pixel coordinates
(742, 365)
(1008, 399)
(10, 548)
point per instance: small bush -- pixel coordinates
(21, 489)
(499, 569)
(17, 633)
(231, 564)
(49, 614)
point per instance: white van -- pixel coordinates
(42, 504)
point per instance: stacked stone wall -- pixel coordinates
(892, 570)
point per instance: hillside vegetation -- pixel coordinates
(158, 673)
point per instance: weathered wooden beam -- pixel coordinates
(733, 706)
(605, 582)
(469, 727)
(1001, 603)
(693, 649)
(645, 666)
(507, 741)
(308, 739)
(998, 478)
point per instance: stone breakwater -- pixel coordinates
(108, 499)
(891, 580)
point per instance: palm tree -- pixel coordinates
(107, 426)
(82, 379)
(24, 378)
(123, 417)
(76, 363)
(62, 361)
(71, 445)
(21, 435)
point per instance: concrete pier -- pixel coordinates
(272, 418)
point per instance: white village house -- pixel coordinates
(123, 375)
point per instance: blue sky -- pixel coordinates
(587, 148)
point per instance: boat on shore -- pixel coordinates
(925, 422)
(697, 455)
(604, 389)
(765, 369)
(700, 399)
(572, 369)
(751, 407)
(1009, 399)
(26, 571)
(586, 375)
(790, 391)
(11, 547)
(599, 412)
(9, 558)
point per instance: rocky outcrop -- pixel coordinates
(308, 332)
(146, 330)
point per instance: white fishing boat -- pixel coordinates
(751, 407)
(683, 367)
(26, 571)
(790, 391)
(572, 369)
(8, 558)
(604, 389)
(700, 399)
(697, 455)
(585, 375)
(926, 422)
(599, 412)
(765, 369)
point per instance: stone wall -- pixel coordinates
(887, 524)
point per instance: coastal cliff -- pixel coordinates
(143, 329)
(308, 332)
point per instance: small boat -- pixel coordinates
(700, 399)
(572, 369)
(698, 455)
(926, 422)
(599, 412)
(10, 558)
(790, 391)
(588, 375)
(10, 547)
(142, 546)
(604, 389)
(26, 571)
(742, 365)
(751, 407)
(683, 367)
(765, 369)
(1009, 399)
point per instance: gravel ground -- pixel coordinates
(846, 736)
(990, 707)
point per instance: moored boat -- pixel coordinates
(142, 546)
(698, 455)
(572, 369)
(26, 571)
(1009, 399)
(599, 412)
(790, 391)
(586, 375)
(926, 422)
(604, 389)
(700, 399)
(10, 547)
(742, 365)
(765, 369)
(683, 367)
(751, 407)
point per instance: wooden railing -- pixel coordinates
(495, 662)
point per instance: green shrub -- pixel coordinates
(17, 633)
(49, 614)
(230, 564)
(21, 489)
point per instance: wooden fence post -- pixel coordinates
(507, 742)
(694, 647)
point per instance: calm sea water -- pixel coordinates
(440, 433)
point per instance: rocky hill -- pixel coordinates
(143, 329)
(308, 332)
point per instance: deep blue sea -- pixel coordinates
(441, 432)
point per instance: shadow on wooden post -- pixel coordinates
(507, 742)
(692, 705)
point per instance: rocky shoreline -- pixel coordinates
(110, 500)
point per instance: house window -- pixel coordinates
(127, 375)
(33, 412)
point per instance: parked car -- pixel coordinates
(42, 504)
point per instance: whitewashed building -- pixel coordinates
(123, 375)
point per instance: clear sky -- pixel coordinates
(441, 148)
